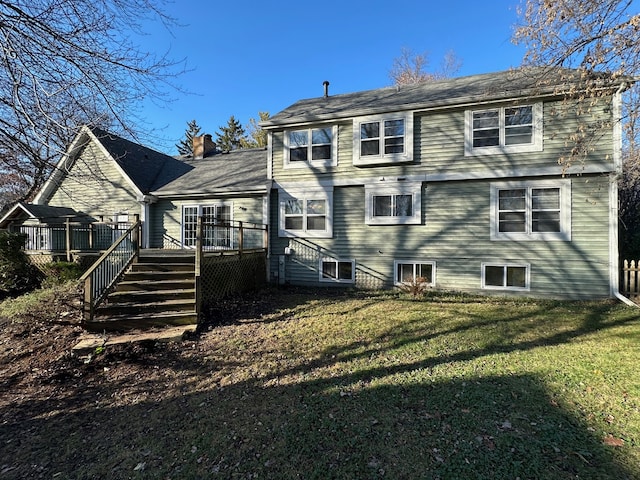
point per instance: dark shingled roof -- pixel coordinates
(45, 212)
(147, 168)
(445, 93)
(235, 172)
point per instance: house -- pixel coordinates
(107, 179)
(453, 184)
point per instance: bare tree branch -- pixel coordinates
(67, 63)
(410, 67)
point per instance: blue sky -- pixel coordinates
(249, 56)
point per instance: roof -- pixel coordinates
(148, 169)
(40, 212)
(504, 85)
(236, 172)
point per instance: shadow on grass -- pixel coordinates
(358, 421)
(496, 427)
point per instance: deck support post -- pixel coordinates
(198, 268)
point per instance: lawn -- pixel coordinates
(297, 384)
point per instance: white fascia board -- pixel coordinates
(17, 206)
(211, 194)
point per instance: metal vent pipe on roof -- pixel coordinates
(326, 88)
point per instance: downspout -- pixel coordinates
(614, 274)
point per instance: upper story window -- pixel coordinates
(504, 130)
(306, 213)
(310, 147)
(395, 204)
(531, 210)
(383, 139)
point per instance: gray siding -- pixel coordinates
(455, 233)
(96, 187)
(439, 147)
(455, 228)
(166, 217)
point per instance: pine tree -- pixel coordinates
(232, 136)
(185, 147)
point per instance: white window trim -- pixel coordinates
(526, 266)
(199, 208)
(324, 279)
(565, 211)
(406, 156)
(332, 162)
(305, 194)
(399, 188)
(536, 144)
(399, 283)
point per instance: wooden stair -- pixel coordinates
(158, 290)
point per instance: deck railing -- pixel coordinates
(103, 274)
(216, 237)
(219, 235)
(71, 237)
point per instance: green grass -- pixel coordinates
(359, 386)
(37, 301)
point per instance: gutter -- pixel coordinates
(613, 233)
(624, 299)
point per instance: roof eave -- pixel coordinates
(181, 194)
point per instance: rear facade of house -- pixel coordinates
(456, 185)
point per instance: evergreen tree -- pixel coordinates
(232, 136)
(185, 147)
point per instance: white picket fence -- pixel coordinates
(630, 283)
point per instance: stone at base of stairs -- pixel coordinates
(88, 343)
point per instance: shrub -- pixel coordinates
(57, 273)
(17, 274)
(418, 287)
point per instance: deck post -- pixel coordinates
(136, 237)
(87, 310)
(67, 224)
(240, 237)
(197, 268)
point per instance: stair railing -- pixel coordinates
(104, 273)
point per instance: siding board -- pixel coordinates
(95, 186)
(456, 236)
(166, 219)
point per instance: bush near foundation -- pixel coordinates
(17, 274)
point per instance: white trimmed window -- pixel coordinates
(503, 130)
(505, 276)
(306, 213)
(413, 271)
(216, 225)
(311, 147)
(383, 139)
(337, 271)
(393, 204)
(531, 210)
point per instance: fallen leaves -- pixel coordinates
(612, 441)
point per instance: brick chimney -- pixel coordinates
(203, 146)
